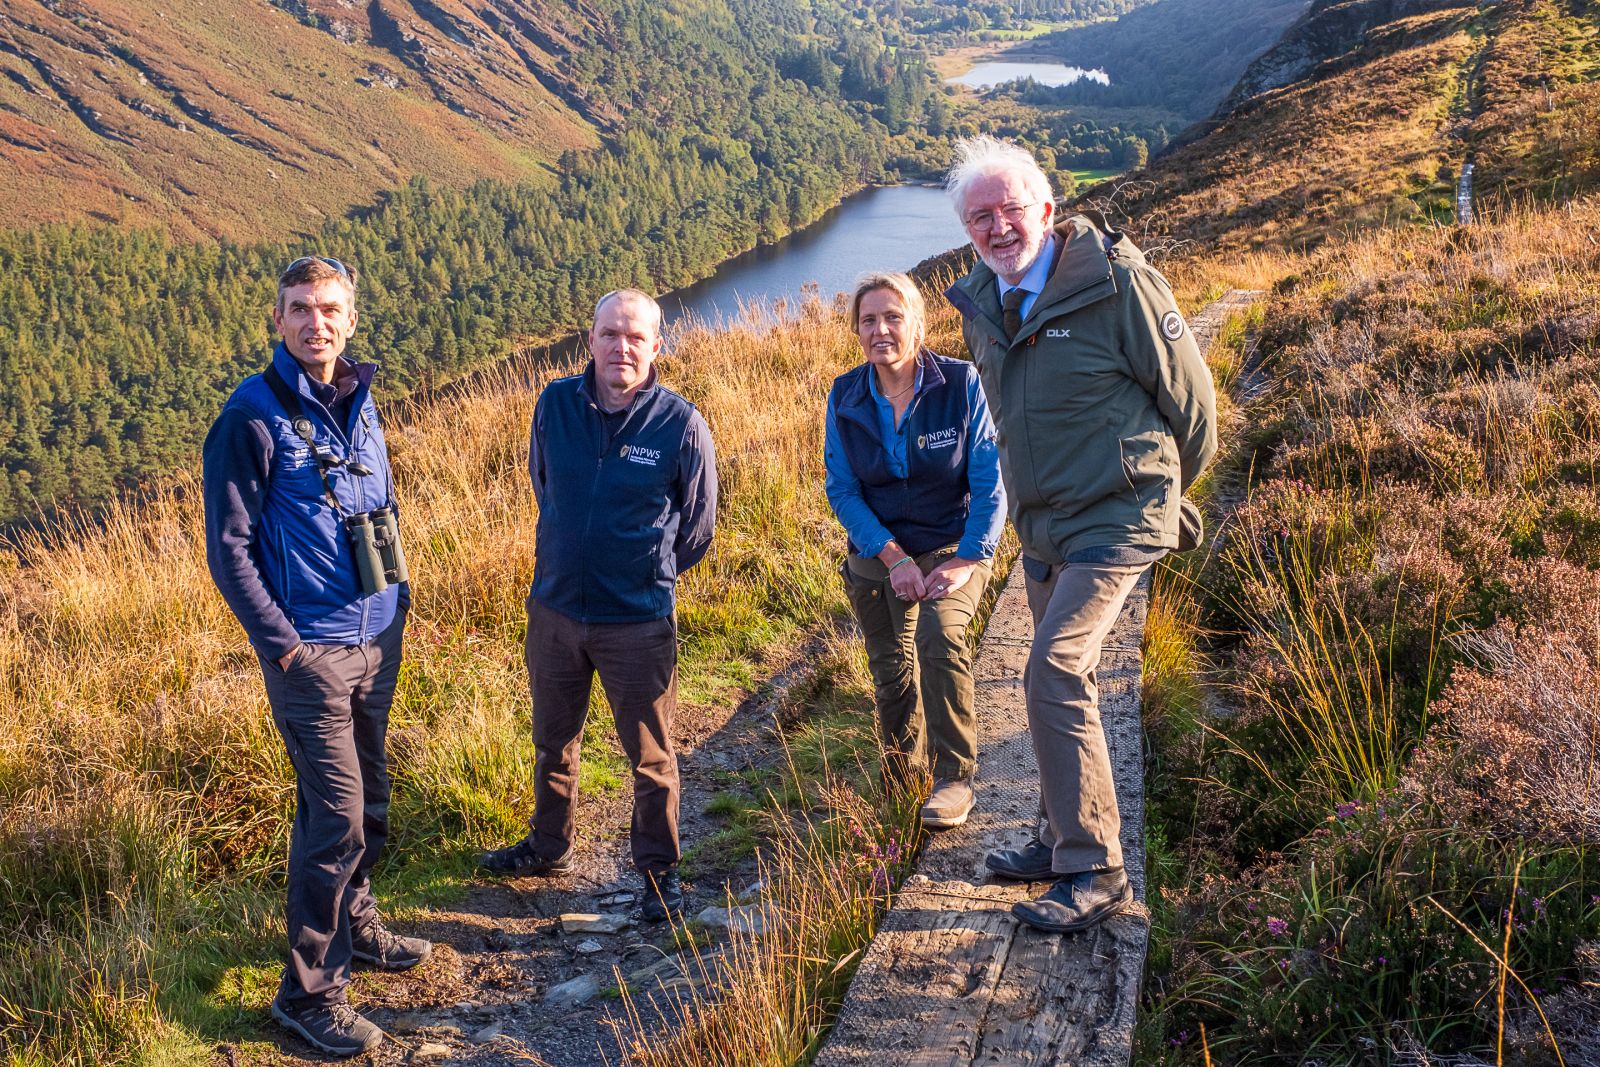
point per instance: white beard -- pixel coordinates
(1015, 260)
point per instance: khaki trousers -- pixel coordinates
(921, 667)
(1073, 608)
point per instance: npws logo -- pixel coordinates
(635, 454)
(939, 438)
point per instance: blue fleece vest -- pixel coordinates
(928, 508)
(302, 546)
(609, 514)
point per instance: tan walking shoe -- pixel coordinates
(949, 803)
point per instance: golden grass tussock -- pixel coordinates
(766, 997)
(146, 794)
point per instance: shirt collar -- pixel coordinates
(1033, 281)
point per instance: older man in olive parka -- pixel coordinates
(1106, 413)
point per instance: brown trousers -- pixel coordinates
(1073, 609)
(638, 668)
(921, 667)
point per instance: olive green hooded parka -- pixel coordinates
(1104, 406)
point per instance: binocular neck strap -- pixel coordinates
(302, 426)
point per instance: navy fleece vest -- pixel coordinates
(927, 509)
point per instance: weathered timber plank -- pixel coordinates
(1068, 1000)
(921, 995)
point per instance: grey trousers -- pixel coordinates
(332, 709)
(921, 667)
(1073, 609)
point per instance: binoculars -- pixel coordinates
(375, 537)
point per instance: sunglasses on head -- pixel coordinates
(344, 272)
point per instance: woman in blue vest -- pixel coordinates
(913, 473)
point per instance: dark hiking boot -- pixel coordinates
(949, 804)
(523, 859)
(1077, 902)
(386, 950)
(1030, 863)
(336, 1029)
(663, 896)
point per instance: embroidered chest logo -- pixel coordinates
(1057, 335)
(939, 438)
(635, 454)
(1172, 326)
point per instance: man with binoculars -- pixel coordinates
(303, 542)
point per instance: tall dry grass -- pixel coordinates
(144, 794)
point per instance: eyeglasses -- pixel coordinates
(983, 220)
(329, 261)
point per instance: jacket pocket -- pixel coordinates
(1144, 462)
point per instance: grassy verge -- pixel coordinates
(1371, 701)
(146, 795)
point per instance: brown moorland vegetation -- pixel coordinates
(1359, 142)
(197, 115)
(1377, 779)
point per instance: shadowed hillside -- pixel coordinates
(1364, 137)
(1318, 143)
(1151, 54)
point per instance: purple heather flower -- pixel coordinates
(1538, 905)
(1277, 927)
(1347, 809)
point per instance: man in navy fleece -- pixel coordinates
(297, 450)
(625, 476)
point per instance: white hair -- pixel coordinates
(981, 156)
(638, 296)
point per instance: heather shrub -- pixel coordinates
(1384, 925)
(1519, 724)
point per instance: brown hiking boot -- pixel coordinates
(948, 804)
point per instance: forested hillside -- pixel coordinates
(118, 344)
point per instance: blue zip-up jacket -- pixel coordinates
(279, 554)
(929, 482)
(627, 500)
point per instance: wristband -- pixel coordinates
(902, 559)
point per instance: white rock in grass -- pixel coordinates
(749, 919)
(588, 922)
(589, 946)
(580, 990)
(486, 1035)
(430, 1051)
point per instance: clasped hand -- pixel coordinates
(909, 583)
